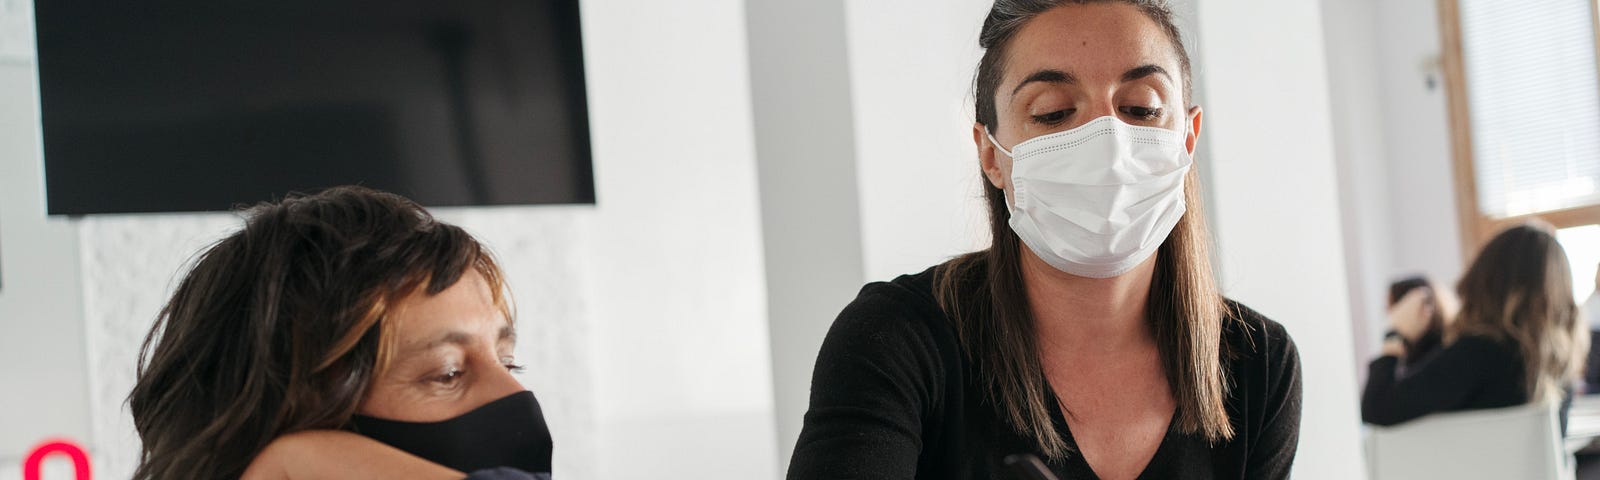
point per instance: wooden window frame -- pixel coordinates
(1477, 228)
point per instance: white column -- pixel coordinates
(805, 152)
(1276, 194)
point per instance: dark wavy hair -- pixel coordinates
(280, 327)
(994, 322)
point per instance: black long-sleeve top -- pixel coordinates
(1472, 373)
(892, 397)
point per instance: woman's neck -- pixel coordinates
(1081, 313)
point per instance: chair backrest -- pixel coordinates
(1521, 442)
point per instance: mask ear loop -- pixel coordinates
(996, 143)
(1011, 201)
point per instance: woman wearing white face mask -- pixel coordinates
(1090, 333)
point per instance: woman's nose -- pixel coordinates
(500, 382)
(1089, 111)
(1098, 108)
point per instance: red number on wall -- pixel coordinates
(80, 460)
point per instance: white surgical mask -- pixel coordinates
(1097, 200)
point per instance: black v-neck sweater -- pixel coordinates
(892, 397)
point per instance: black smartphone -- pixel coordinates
(1027, 467)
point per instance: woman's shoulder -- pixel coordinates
(1485, 349)
(1264, 370)
(1483, 341)
(897, 322)
(1263, 361)
(905, 304)
(1249, 333)
(892, 338)
(912, 289)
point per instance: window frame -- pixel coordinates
(1476, 227)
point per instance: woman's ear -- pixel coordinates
(986, 157)
(1193, 137)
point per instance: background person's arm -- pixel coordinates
(333, 454)
(1444, 382)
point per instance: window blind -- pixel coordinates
(1533, 89)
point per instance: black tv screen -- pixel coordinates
(200, 105)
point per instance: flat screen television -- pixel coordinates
(204, 105)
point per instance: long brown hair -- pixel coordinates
(281, 326)
(1519, 289)
(995, 324)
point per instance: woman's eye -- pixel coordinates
(1143, 113)
(511, 364)
(450, 377)
(1052, 118)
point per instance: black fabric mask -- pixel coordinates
(509, 432)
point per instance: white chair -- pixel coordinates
(1521, 442)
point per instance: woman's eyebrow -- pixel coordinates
(453, 337)
(1046, 76)
(1145, 71)
(460, 338)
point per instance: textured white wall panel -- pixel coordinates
(130, 266)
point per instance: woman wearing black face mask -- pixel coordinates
(340, 335)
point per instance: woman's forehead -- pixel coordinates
(468, 306)
(1092, 42)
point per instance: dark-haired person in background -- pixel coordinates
(1517, 338)
(1091, 333)
(1416, 298)
(346, 335)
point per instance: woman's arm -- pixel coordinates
(1444, 382)
(334, 454)
(874, 381)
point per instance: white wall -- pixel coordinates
(684, 380)
(911, 65)
(1423, 226)
(1351, 37)
(41, 320)
(1267, 118)
(1393, 146)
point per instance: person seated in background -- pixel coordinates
(345, 334)
(1516, 339)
